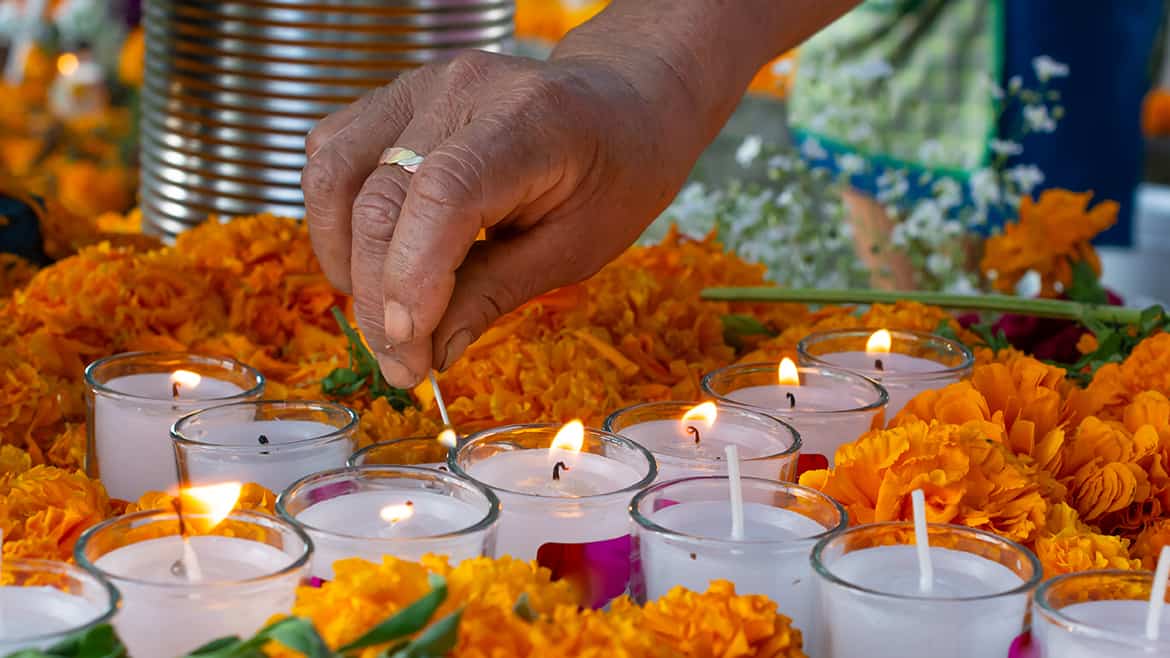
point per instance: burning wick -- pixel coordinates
(878, 365)
(557, 468)
(187, 566)
(174, 390)
(791, 399)
(694, 431)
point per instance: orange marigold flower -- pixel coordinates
(1147, 368)
(1087, 343)
(44, 509)
(68, 449)
(1051, 234)
(132, 58)
(1156, 113)
(1113, 473)
(1150, 541)
(13, 460)
(1068, 545)
(15, 273)
(717, 622)
(252, 497)
(88, 189)
(967, 477)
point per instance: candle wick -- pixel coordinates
(878, 365)
(557, 468)
(263, 440)
(694, 431)
(791, 399)
(175, 390)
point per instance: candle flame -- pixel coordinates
(67, 64)
(879, 343)
(186, 378)
(447, 438)
(789, 375)
(704, 413)
(396, 513)
(207, 506)
(571, 437)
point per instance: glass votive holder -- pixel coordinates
(135, 397)
(683, 537)
(176, 598)
(872, 605)
(424, 451)
(566, 509)
(271, 443)
(43, 603)
(768, 447)
(404, 511)
(1092, 614)
(915, 361)
(829, 407)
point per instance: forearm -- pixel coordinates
(698, 55)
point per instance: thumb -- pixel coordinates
(500, 275)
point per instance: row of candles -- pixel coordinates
(706, 488)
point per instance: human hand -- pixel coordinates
(562, 162)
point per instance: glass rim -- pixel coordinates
(883, 396)
(298, 561)
(337, 434)
(793, 449)
(113, 596)
(253, 374)
(483, 435)
(646, 524)
(1028, 584)
(352, 460)
(944, 371)
(484, 524)
(1040, 599)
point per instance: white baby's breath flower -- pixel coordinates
(1005, 147)
(1026, 177)
(930, 150)
(781, 162)
(812, 149)
(947, 193)
(1038, 119)
(782, 66)
(1047, 68)
(938, 264)
(892, 185)
(993, 88)
(871, 69)
(749, 150)
(861, 132)
(850, 163)
(1015, 83)
(985, 189)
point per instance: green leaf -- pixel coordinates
(363, 371)
(946, 330)
(299, 634)
(97, 642)
(1086, 286)
(216, 647)
(736, 327)
(996, 340)
(436, 641)
(409, 620)
(523, 609)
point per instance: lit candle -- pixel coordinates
(43, 602)
(1091, 614)
(270, 443)
(684, 537)
(134, 399)
(79, 87)
(404, 511)
(563, 495)
(829, 407)
(873, 603)
(905, 362)
(182, 587)
(690, 439)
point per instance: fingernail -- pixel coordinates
(456, 346)
(396, 374)
(399, 325)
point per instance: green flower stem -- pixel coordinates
(1041, 308)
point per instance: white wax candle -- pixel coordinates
(132, 435)
(30, 613)
(897, 375)
(861, 625)
(821, 430)
(554, 510)
(275, 464)
(165, 615)
(778, 568)
(1125, 618)
(678, 455)
(352, 525)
